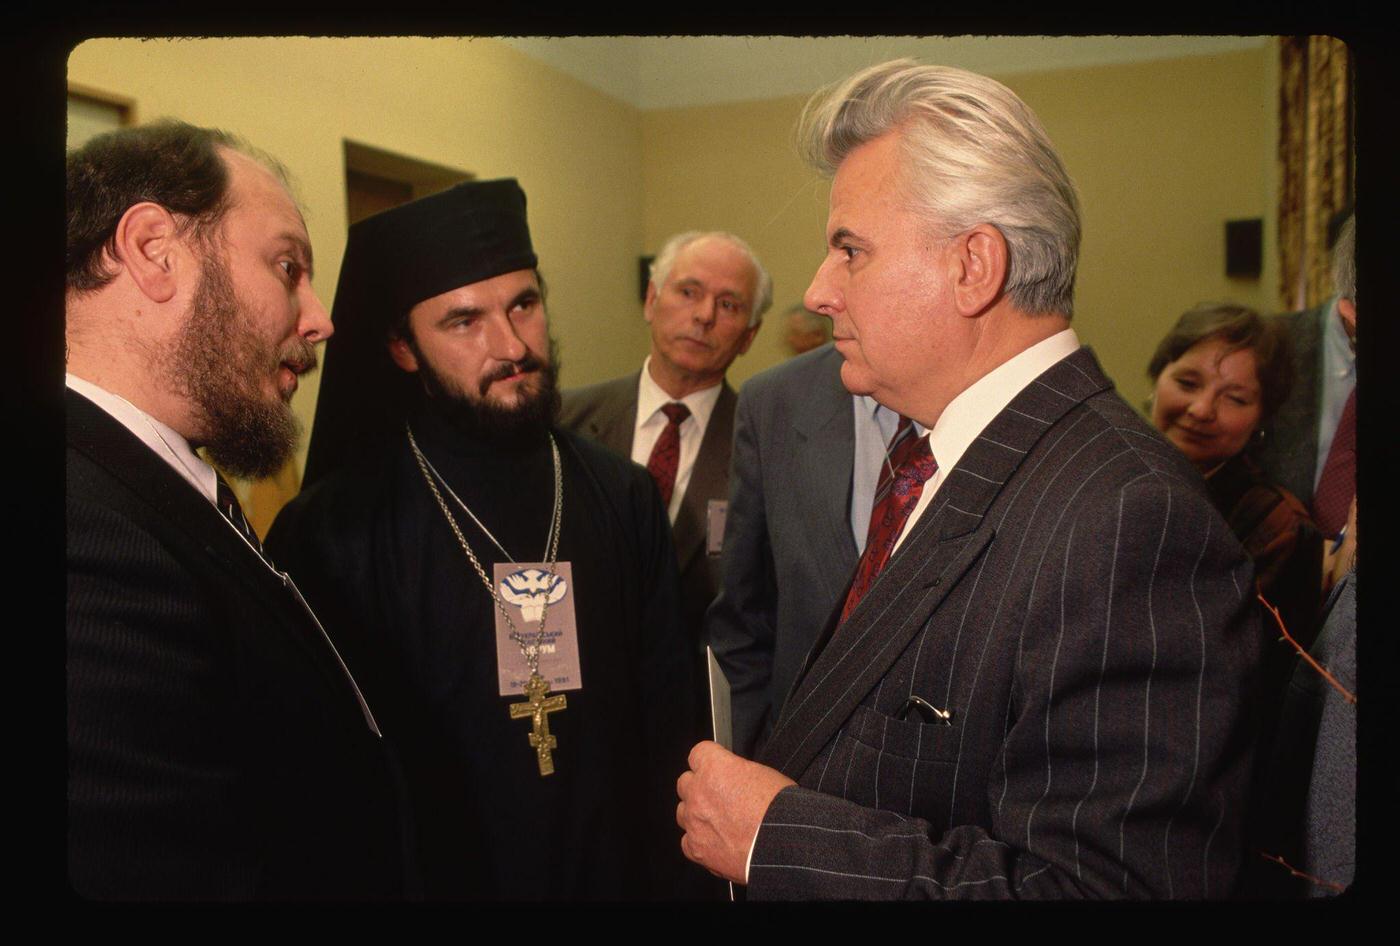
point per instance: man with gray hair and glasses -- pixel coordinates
(1034, 685)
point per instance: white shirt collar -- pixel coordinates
(174, 449)
(1341, 359)
(651, 398)
(968, 414)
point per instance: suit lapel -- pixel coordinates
(708, 479)
(1308, 337)
(182, 509)
(944, 543)
(614, 424)
(95, 433)
(825, 455)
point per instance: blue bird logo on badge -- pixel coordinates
(531, 590)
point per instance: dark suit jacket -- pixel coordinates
(1288, 453)
(607, 412)
(1075, 602)
(216, 747)
(1308, 809)
(788, 549)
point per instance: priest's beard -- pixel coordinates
(478, 417)
(222, 365)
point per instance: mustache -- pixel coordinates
(530, 363)
(298, 354)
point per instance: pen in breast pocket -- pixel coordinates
(1338, 543)
(927, 710)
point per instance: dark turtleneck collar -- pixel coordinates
(436, 433)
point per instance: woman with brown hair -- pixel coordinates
(1219, 375)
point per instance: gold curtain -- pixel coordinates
(1315, 161)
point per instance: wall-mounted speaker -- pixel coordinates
(1244, 248)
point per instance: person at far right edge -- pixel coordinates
(1037, 684)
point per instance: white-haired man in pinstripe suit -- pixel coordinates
(1037, 683)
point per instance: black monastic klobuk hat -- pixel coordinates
(394, 260)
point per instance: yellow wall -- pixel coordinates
(1163, 153)
(735, 167)
(474, 104)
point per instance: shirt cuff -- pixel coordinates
(749, 860)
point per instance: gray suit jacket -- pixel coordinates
(607, 412)
(1309, 802)
(1288, 455)
(1075, 602)
(788, 549)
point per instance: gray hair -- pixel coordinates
(1344, 261)
(763, 283)
(973, 153)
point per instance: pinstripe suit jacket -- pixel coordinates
(216, 747)
(1075, 601)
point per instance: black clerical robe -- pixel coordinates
(371, 550)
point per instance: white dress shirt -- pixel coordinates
(174, 449)
(651, 421)
(968, 414)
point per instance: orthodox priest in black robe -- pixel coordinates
(434, 445)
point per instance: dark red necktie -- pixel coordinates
(1337, 485)
(666, 455)
(913, 464)
(902, 432)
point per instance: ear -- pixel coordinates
(1346, 310)
(650, 302)
(403, 355)
(979, 269)
(148, 246)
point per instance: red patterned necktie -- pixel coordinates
(666, 455)
(1337, 485)
(896, 449)
(913, 464)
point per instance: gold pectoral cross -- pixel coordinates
(537, 706)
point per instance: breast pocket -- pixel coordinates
(904, 766)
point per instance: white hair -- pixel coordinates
(763, 283)
(973, 153)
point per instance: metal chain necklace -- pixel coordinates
(530, 651)
(538, 704)
(551, 541)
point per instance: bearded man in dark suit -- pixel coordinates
(1035, 685)
(218, 748)
(704, 305)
